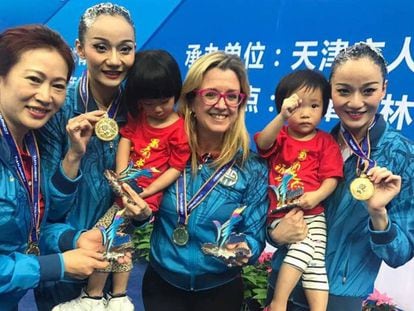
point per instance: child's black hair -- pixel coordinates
(306, 78)
(154, 75)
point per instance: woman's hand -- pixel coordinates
(80, 130)
(240, 261)
(80, 263)
(292, 228)
(135, 206)
(92, 240)
(387, 186)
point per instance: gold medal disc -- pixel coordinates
(33, 249)
(362, 188)
(106, 129)
(180, 236)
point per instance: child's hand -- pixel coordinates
(308, 200)
(289, 106)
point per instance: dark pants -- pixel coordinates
(159, 295)
(50, 294)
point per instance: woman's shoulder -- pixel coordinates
(253, 161)
(394, 139)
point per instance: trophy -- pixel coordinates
(287, 198)
(226, 236)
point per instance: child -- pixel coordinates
(304, 164)
(153, 139)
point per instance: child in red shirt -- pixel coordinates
(304, 166)
(153, 141)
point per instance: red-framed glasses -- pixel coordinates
(211, 97)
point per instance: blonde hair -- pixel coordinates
(237, 137)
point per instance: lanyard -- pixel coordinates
(84, 94)
(34, 190)
(184, 208)
(363, 150)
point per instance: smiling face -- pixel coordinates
(303, 122)
(33, 90)
(357, 89)
(108, 47)
(214, 121)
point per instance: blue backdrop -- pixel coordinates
(273, 37)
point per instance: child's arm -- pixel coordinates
(122, 154)
(266, 138)
(162, 182)
(312, 198)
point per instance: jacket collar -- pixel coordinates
(375, 133)
(91, 105)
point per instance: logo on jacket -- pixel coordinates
(229, 178)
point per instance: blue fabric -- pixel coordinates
(354, 251)
(90, 194)
(87, 197)
(19, 271)
(186, 266)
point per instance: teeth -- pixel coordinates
(38, 110)
(219, 116)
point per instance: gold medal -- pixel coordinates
(106, 129)
(180, 236)
(362, 188)
(33, 249)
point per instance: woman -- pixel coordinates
(221, 193)
(364, 229)
(75, 158)
(35, 67)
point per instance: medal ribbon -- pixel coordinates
(34, 191)
(84, 94)
(184, 208)
(363, 150)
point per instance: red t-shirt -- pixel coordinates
(159, 148)
(310, 162)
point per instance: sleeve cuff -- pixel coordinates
(270, 240)
(68, 240)
(142, 223)
(383, 237)
(63, 183)
(51, 267)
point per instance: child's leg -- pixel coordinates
(96, 283)
(317, 299)
(287, 279)
(314, 279)
(120, 282)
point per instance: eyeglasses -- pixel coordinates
(211, 97)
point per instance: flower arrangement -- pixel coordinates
(379, 302)
(255, 280)
(141, 239)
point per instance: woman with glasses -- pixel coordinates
(211, 221)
